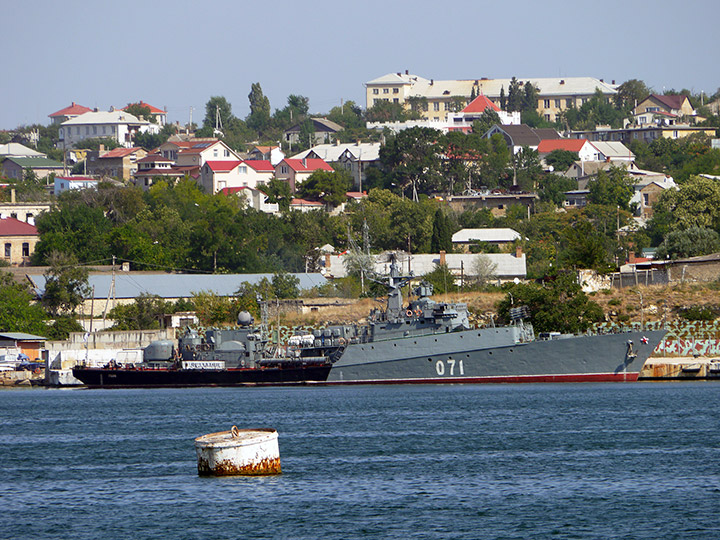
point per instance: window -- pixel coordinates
(546, 103)
(386, 90)
(94, 130)
(25, 249)
(569, 102)
(436, 106)
(646, 199)
(227, 153)
(8, 248)
(547, 117)
(283, 169)
(375, 101)
(396, 100)
(557, 103)
(584, 100)
(87, 130)
(376, 91)
(396, 90)
(215, 153)
(242, 169)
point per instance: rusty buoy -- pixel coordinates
(238, 452)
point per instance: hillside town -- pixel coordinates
(476, 183)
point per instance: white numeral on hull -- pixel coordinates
(451, 363)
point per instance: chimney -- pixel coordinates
(407, 72)
(432, 81)
(327, 261)
(101, 148)
(73, 104)
(12, 196)
(631, 257)
(613, 81)
(518, 252)
(442, 256)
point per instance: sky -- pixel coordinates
(176, 55)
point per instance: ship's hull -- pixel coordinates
(473, 356)
(153, 378)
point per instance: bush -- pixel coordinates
(700, 313)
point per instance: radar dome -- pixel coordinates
(244, 318)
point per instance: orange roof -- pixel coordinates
(265, 149)
(153, 110)
(479, 104)
(119, 152)
(72, 110)
(304, 165)
(572, 145)
(14, 227)
(304, 202)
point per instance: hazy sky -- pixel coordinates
(178, 54)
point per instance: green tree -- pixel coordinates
(285, 285)
(530, 97)
(140, 111)
(412, 157)
(488, 119)
(218, 115)
(18, 313)
(690, 242)
(695, 204)
(552, 188)
(66, 284)
(442, 279)
(387, 111)
(278, 191)
(329, 187)
(259, 118)
(611, 188)
(585, 247)
(559, 305)
(61, 327)
(515, 96)
(561, 160)
(630, 93)
(145, 313)
(212, 309)
(442, 233)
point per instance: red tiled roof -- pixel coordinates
(572, 145)
(356, 194)
(303, 202)
(14, 227)
(73, 110)
(222, 166)
(260, 165)
(479, 104)
(265, 149)
(304, 165)
(153, 110)
(232, 190)
(119, 152)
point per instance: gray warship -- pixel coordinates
(423, 341)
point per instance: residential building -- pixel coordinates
(15, 167)
(463, 120)
(65, 183)
(217, 175)
(273, 154)
(154, 166)
(497, 201)
(19, 240)
(444, 97)
(67, 113)
(356, 157)
(13, 149)
(296, 171)
(322, 132)
(614, 151)
(519, 136)
(121, 163)
(23, 211)
(199, 152)
(254, 198)
(584, 148)
(157, 116)
(117, 125)
(646, 134)
(674, 105)
(302, 205)
(648, 191)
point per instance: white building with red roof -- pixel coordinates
(67, 113)
(584, 148)
(19, 240)
(157, 116)
(296, 171)
(218, 175)
(462, 121)
(113, 124)
(199, 152)
(65, 183)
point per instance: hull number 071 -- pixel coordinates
(450, 367)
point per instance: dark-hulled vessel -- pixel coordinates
(421, 342)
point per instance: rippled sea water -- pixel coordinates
(571, 461)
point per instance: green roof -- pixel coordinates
(35, 162)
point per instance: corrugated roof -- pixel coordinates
(19, 150)
(333, 152)
(304, 165)
(21, 336)
(222, 166)
(104, 117)
(132, 285)
(260, 165)
(119, 152)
